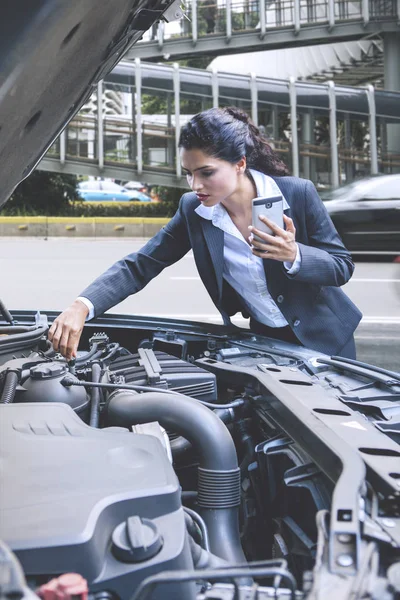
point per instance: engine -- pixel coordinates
(166, 465)
(90, 497)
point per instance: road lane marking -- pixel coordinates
(377, 337)
(355, 280)
(381, 320)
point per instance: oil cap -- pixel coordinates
(136, 539)
(48, 370)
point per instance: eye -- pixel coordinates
(208, 173)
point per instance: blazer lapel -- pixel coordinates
(215, 242)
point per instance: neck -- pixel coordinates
(239, 204)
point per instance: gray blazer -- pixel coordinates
(320, 313)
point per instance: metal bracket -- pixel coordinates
(151, 365)
(174, 12)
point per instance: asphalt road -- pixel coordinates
(49, 274)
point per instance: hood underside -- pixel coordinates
(52, 53)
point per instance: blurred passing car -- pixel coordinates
(108, 191)
(366, 214)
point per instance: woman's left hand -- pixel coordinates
(281, 246)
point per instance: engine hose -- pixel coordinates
(114, 349)
(197, 521)
(26, 336)
(92, 354)
(180, 446)
(13, 329)
(219, 475)
(95, 396)
(203, 559)
(10, 385)
(6, 313)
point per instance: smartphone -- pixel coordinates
(272, 208)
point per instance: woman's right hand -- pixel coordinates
(66, 330)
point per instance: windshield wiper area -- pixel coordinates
(376, 374)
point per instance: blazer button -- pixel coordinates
(280, 299)
(296, 323)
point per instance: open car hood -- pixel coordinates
(52, 53)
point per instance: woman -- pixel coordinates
(288, 283)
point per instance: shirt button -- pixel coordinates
(280, 299)
(296, 323)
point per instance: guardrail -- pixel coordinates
(216, 23)
(315, 161)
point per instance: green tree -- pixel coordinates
(42, 193)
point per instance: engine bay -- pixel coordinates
(187, 461)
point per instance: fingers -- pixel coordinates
(289, 224)
(273, 226)
(64, 338)
(68, 345)
(66, 330)
(281, 246)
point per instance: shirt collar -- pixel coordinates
(265, 185)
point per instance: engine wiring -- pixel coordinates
(234, 572)
(70, 380)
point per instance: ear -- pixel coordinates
(241, 165)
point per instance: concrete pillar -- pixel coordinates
(170, 143)
(391, 50)
(313, 160)
(348, 165)
(133, 152)
(275, 123)
(333, 134)
(307, 135)
(383, 134)
(90, 143)
(293, 127)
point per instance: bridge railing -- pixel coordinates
(326, 133)
(205, 18)
(120, 148)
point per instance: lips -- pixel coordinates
(202, 197)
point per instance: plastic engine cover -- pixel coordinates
(158, 369)
(68, 489)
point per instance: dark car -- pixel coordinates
(366, 214)
(174, 460)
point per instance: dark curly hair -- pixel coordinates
(229, 133)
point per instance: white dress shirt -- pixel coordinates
(242, 270)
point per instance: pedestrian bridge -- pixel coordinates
(217, 27)
(330, 134)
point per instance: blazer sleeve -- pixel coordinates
(324, 259)
(133, 272)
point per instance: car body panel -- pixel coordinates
(367, 214)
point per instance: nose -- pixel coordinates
(196, 184)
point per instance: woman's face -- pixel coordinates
(213, 179)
